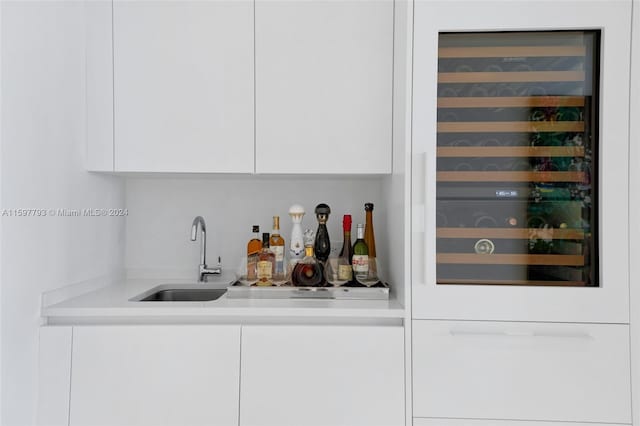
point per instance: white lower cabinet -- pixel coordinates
(467, 422)
(54, 375)
(533, 371)
(155, 375)
(322, 376)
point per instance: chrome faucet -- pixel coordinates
(203, 270)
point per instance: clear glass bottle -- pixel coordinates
(253, 249)
(308, 272)
(344, 270)
(276, 243)
(266, 263)
(338, 270)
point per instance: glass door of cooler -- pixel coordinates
(520, 167)
(517, 158)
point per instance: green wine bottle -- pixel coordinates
(360, 259)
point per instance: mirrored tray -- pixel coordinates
(380, 291)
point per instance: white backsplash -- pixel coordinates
(161, 211)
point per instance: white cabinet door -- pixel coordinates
(155, 375)
(606, 303)
(324, 86)
(183, 86)
(322, 376)
(467, 422)
(99, 74)
(54, 376)
(529, 371)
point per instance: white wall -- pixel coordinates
(634, 213)
(162, 209)
(42, 154)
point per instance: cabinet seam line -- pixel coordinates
(240, 377)
(409, 392)
(70, 380)
(630, 245)
(393, 79)
(113, 92)
(255, 134)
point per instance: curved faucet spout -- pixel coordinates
(199, 220)
(194, 227)
(203, 270)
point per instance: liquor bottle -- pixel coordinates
(346, 245)
(296, 244)
(308, 272)
(266, 263)
(369, 236)
(360, 258)
(338, 271)
(276, 243)
(322, 245)
(253, 248)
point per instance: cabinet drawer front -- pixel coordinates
(155, 375)
(467, 422)
(501, 370)
(322, 376)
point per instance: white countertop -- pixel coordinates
(113, 302)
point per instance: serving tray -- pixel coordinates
(379, 291)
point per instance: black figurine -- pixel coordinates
(322, 245)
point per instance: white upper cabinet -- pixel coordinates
(173, 86)
(520, 177)
(183, 86)
(324, 86)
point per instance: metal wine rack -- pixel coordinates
(516, 167)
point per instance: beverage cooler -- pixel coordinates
(520, 165)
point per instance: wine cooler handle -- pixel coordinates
(419, 218)
(521, 333)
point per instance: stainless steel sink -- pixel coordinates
(166, 293)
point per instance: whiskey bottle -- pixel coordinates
(308, 272)
(322, 245)
(266, 263)
(276, 243)
(253, 248)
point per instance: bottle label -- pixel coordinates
(360, 264)
(344, 272)
(279, 252)
(252, 262)
(265, 270)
